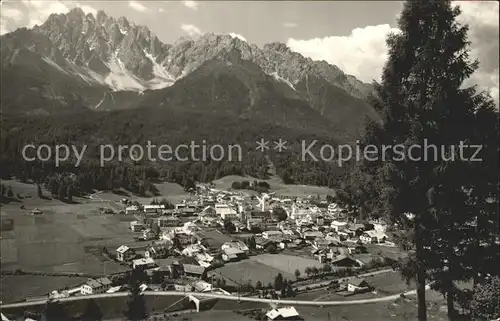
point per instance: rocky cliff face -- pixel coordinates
(124, 56)
(77, 60)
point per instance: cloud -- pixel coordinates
(235, 35)
(290, 25)
(191, 30)
(363, 53)
(482, 18)
(32, 13)
(137, 6)
(87, 9)
(191, 5)
(12, 13)
(28, 13)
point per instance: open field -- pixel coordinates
(63, 235)
(171, 191)
(66, 238)
(213, 315)
(397, 310)
(17, 287)
(265, 267)
(389, 283)
(286, 263)
(247, 270)
(277, 186)
(111, 308)
(250, 270)
(392, 252)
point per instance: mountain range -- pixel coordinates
(74, 62)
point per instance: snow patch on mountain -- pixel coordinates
(162, 77)
(53, 64)
(119, 78)
(102, 100)
(281, 79)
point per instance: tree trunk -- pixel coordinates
(422, 306)
(449, 302)
(450, 287)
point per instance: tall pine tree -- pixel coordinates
(136, 306)
(423, 104)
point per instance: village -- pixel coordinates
(245, 243)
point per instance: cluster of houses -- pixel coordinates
(321, 225)
(178, 232)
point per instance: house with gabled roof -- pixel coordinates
(125, 253)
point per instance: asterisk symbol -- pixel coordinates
(262, 145)
(280, 145)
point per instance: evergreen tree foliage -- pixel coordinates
(92, 312)
(423, 103)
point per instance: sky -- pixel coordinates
(349, 34)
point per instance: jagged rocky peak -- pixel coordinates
(76, 15)
(101, 17)
(123, 55)
(123, 24)
(277, 47)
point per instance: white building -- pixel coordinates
(334, 209)
(124, 253)
(268, 234)
(299, 213)
(224, 211)
(143, 263)
(236, 244)
(338, 225)
(373, 236)
(151, 209)
(132, 210)
(136, 226)
(286, 313)
(94, 286)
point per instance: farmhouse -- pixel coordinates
(144, 264)
(167, 221)
(136, 226)
(153, 209)
(312, 235)
(262, 243)
(232, 254)
(373, 236)
(124, 253)
(132, 210)
(36, 211)
(225, 212)
(157, 251)
(265, 215)
(204, 259)
(287, 313)
(270, 234)
(209, 221)
(193, 249)
(338, 225)
(202, 286)
(345, 261)
(148, 234)
(358, 286)
(237, 245)
(334, 209)
(96, 286)
(195, 271)
(184, 239)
